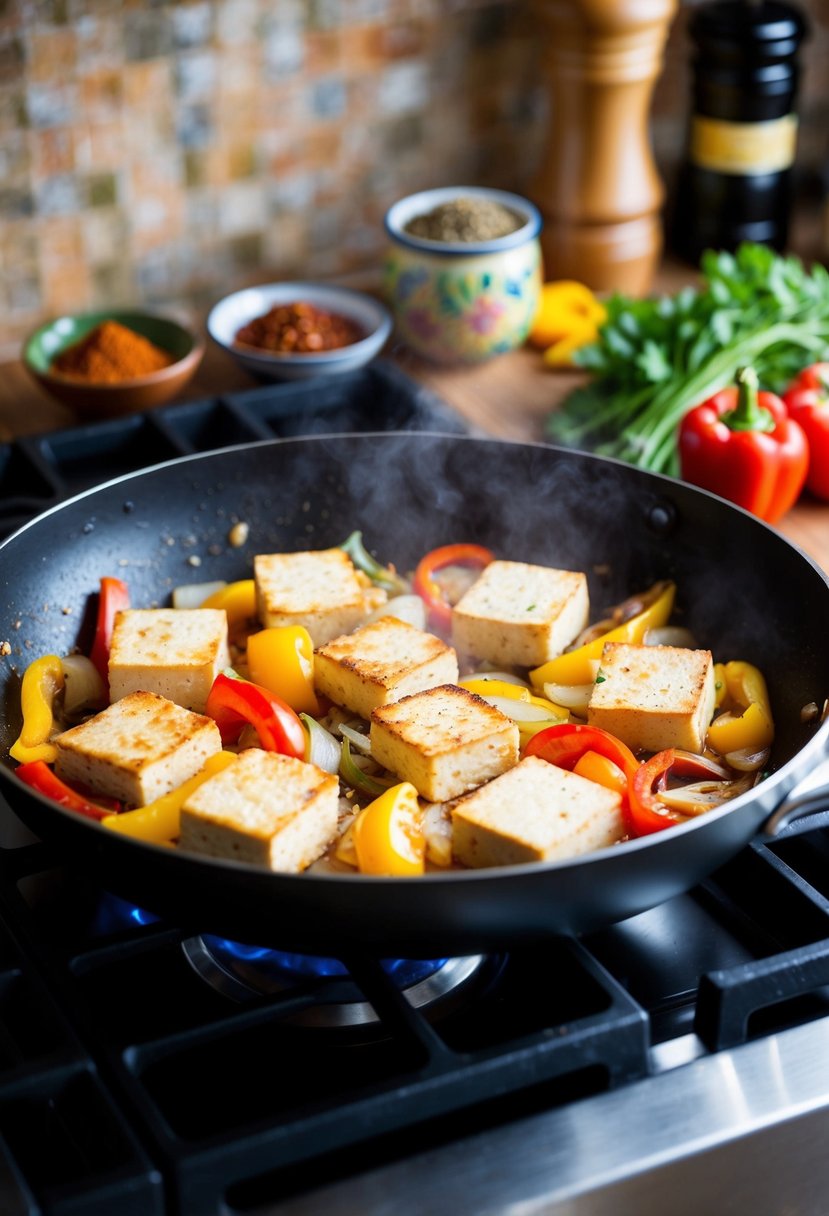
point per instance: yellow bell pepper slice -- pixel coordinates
(387, 835)
(574, 667)
(42, 681)
(564, 305)
(238, 601)
(281, 659)
(496, 688)
(754, 727)
(160, 821)
(560, 353)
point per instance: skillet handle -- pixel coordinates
(815, 798)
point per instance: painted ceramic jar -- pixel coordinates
(458, 301)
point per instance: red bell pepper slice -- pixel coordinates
(645, 812)
(565, 743)
(114, 597)
(807, 401)
(232, 702)
(742, 445)
(40, 777)
(428, 588)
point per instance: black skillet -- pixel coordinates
(744, 590)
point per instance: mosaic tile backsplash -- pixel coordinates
(166, 153)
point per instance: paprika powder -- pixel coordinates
(742, 444)
(299, 328)
(109, 353)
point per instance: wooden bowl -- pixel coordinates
(104, 400)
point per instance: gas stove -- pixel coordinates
(677, 1062)
(146, 1068)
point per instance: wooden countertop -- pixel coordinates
(508, 397)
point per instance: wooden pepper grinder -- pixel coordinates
(598, 190)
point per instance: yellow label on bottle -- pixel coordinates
(743, 148)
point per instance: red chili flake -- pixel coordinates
(299, 328)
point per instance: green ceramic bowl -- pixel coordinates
(127, 396)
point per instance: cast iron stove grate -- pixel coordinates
(127, 1084)
(36, 472)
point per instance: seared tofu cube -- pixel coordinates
(137, 749)
(653, 697)
(264, 808)
(535, 812)
(175, 652)
(319, 589)
(445, 741)
(382, 662)
(519, 614)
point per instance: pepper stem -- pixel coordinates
(748, 415)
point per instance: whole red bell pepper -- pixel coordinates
(807, 400)
(742, 445)
(232, 702)
(438, 608)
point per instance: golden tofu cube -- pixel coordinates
(264, 808)
(535, 812)
(382, 662)
(653, 697)
(175, 652)
(444, 740)
(319, 589)
(515, 613)
(137, 749)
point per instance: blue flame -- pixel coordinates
(114, 914)
(405, 972)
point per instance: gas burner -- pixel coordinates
(244, 973)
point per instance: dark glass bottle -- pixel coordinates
(735, 184)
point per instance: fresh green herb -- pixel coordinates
(382, 576)
(600, 677)
(657, 358)
(530, 607)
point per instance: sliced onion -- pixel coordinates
(193, 595)
(408, 608)
(83, 687)
(571, 696)
(522, 711)
(670, 635)
(748, 759)
(529, 718)
(592, 633)
(360, 740)
(322, 748)
(702, 796)
(436, 826)
(704, 765)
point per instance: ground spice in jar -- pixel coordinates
(299, 328)
(109, 353)
(465, 220)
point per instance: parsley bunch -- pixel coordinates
(657, 358)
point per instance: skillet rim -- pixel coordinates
(781, 777)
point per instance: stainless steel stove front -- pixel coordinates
(742, 1132)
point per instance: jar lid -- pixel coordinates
(769, 27)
